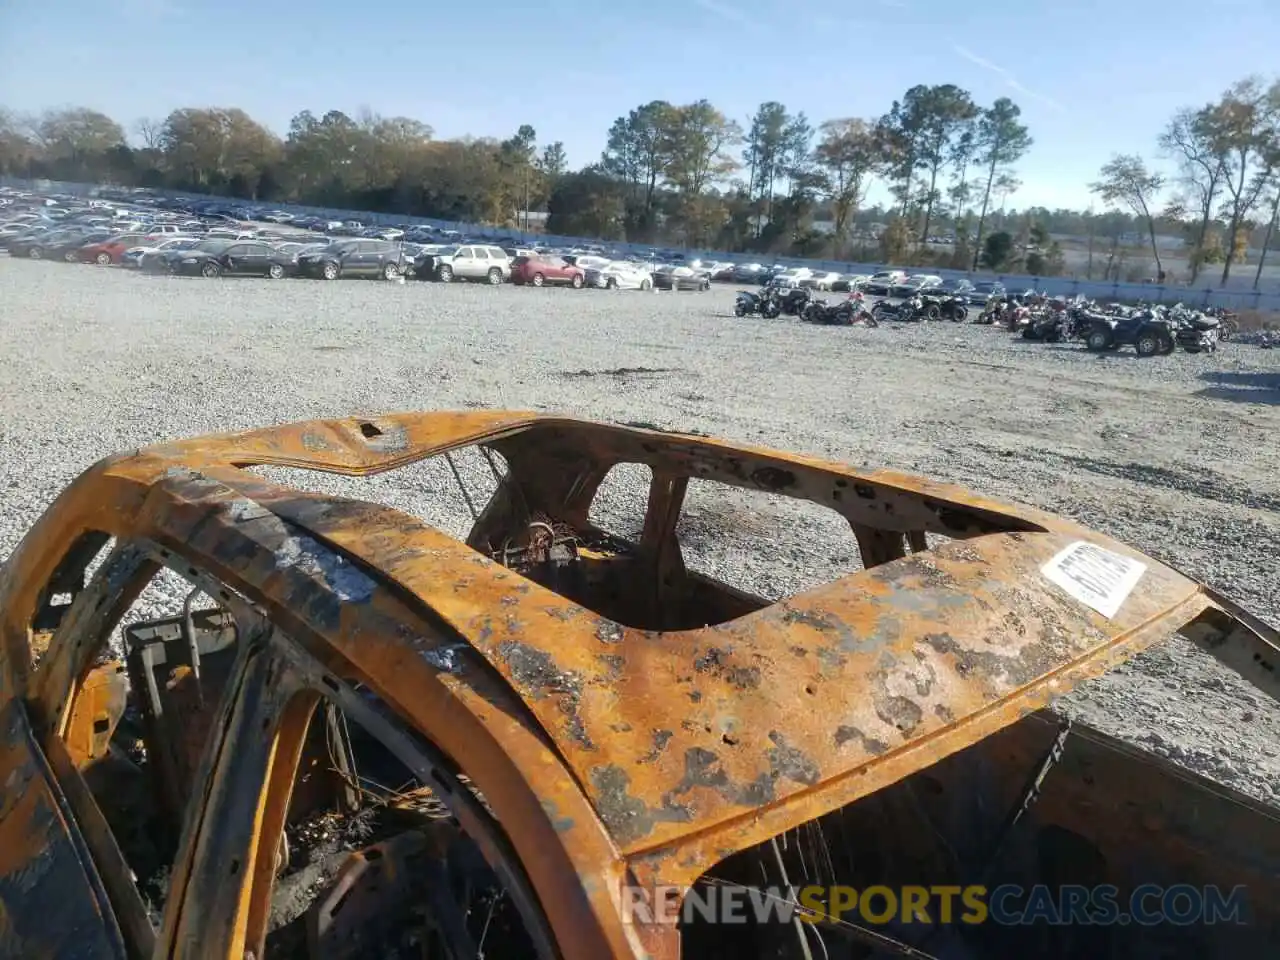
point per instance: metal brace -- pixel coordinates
(1029, 797)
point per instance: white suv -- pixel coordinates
(473, 261)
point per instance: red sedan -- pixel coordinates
(112, 249)
(541, 271)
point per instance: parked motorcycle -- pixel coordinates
(1046, 327)
(764, 304)
(795, 299)
(1197, 333)
(1228, 322)
(844, 314)
(912, 309)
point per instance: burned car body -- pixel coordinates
(549, 712)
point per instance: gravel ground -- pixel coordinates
(1176, 455)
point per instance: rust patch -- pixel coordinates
(845, 733)
(1021, 668)
(660, 740)
(715, 663)
(608, 632)
(627, 816)
(539, 676)
(613, 663)
(702, 770)
(899, 712)
(791, 763)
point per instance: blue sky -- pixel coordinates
(1093, 77)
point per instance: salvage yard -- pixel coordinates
(1176, 455)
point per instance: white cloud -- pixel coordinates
(1008, 77)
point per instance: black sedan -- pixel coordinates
(983, 291)
(234, 258)
(356, 258)
(680, 278)
(912, 285)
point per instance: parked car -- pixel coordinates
(475, 261)
(16, 242)
(59, 246)
(110, 250)
(984, 291)
(670, 277)
(790, 277)
(850, 282)
(620, 275)
(354, 258)
(234, 258)
(822, 280)
(878, 284)
(148, 254)
(749, 273)
(914, 284)
(540, 271)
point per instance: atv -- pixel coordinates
(1148, 333)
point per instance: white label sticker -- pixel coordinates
(1098, 578)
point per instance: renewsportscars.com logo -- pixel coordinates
(1008, 905)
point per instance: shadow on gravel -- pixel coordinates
(1242, 387)
(1201, 482)
(619, 372)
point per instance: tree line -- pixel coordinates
(689, 174)
(680, 173)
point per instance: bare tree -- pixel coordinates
(150, 131)
(1126, 182)
(1242, 128)
(1187, 139)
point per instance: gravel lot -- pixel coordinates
(1177, 455)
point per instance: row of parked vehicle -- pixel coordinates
(1150, 329)
(896, 297)
(209, 244)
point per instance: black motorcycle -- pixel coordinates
(1046, 327)
(912, 309)
(1228, 322)
(764, 304)
(795, 299)
(1147, 332)
(843, 314)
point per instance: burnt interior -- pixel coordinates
(371, 861)
(1103, 814)
(538, 521)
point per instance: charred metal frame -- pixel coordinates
(608, 753)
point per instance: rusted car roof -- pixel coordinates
(704, 741)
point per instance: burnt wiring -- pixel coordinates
(466, 494)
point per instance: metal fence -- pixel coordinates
(1229, 297)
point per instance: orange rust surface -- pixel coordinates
(97, 711)
(612, 749)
